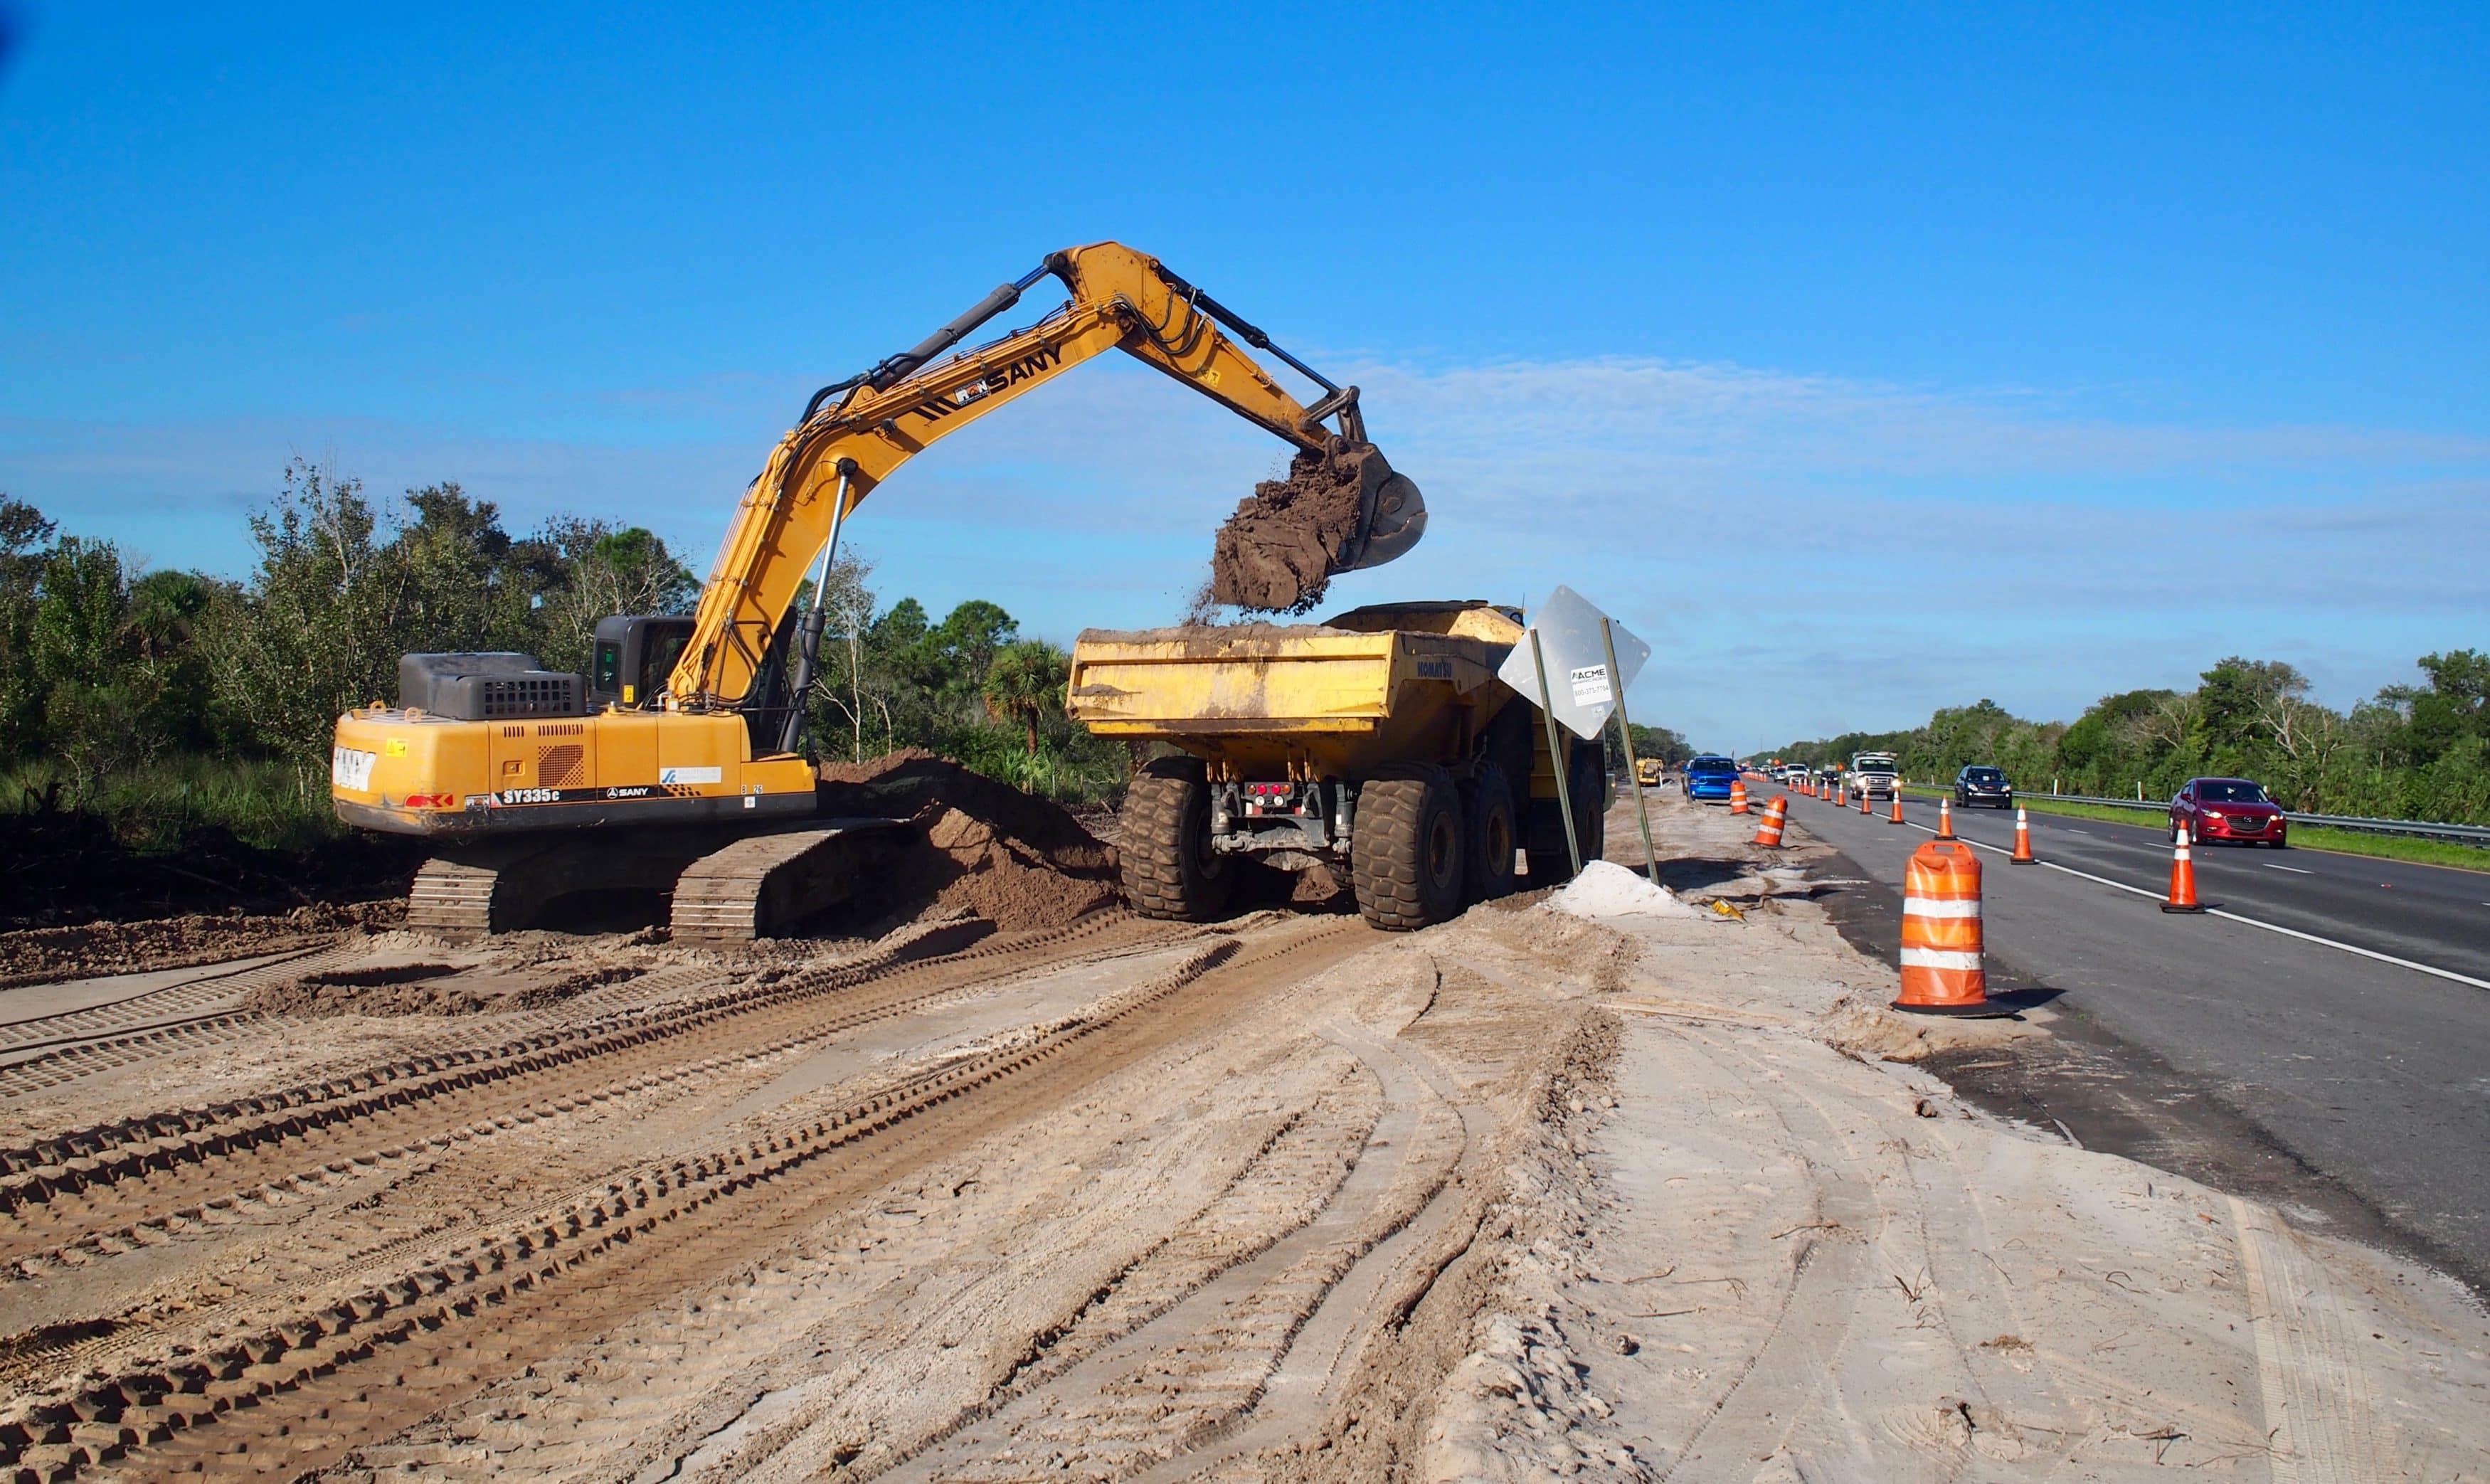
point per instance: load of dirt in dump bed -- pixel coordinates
(1281, 549)
(1023, 863)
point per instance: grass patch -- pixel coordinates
(2345, 842)
(271, 805)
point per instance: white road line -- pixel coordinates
(2271, 927)
(2293, 870)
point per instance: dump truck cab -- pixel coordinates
(1376, 748)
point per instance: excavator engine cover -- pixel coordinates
(499, 686)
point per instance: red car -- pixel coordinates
(2229, 809)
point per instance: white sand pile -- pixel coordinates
(1607, 889)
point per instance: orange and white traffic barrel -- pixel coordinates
(1943, 973)
(1738, 796)
(1768, 831)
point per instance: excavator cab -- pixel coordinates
(630, 657)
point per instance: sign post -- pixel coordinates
(1578, 665)
(1634, 773)
(1555, 753)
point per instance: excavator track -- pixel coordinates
(454, 898)
(727, 885)
(773, 881)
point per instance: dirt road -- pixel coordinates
(1629, 1195)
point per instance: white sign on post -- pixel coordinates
(1569, 637)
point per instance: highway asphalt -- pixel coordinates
(2367, 1083)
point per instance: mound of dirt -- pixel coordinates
(1021, 862)
(42, 955)
(1278, 552)
(399, 989)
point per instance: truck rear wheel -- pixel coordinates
(1489, 809)
(1586, 781)
(1406, 850)
(1169, 869)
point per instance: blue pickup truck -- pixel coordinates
(1708, 777)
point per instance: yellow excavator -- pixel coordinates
(677, 765)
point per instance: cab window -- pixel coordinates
(608, 680)
(660, 664)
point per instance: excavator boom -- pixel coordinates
(855, 433)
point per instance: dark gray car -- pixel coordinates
(1982, 784)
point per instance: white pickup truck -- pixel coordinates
(1876, 775)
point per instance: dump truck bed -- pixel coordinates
(1372, 687)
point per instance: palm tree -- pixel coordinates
(1025, 680)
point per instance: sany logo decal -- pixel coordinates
(933, 409)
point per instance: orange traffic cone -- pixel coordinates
(2023, 839)
(1865, 808)
(1945, 819)
(2183, 876)
(1942, 969)
(1840, 794)
(1769, 831)
(1896, 817)
(1738, 796)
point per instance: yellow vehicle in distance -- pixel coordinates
(1648, 771)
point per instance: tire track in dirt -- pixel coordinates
(85, 1021)
(50, 1050)
(78, 1178)
(297, 1385)
(152, 1215)
(1783, 1379)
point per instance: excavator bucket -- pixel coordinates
(1341, 511)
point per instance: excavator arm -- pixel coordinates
(855, 433)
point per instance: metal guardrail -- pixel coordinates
(2475, 835)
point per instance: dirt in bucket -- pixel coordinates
(1283, 547)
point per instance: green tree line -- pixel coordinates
(2408, 752)
(1666, 744)
(170, 698)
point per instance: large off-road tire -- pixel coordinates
(1545, 845)
(1487, 807)
(1169, 869)
(1406, 848)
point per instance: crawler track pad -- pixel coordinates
(759, 886)
(729, 885)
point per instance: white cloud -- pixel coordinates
(1808, 552)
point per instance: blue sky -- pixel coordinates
(1865, 361)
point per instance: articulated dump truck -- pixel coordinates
(1378, 748)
